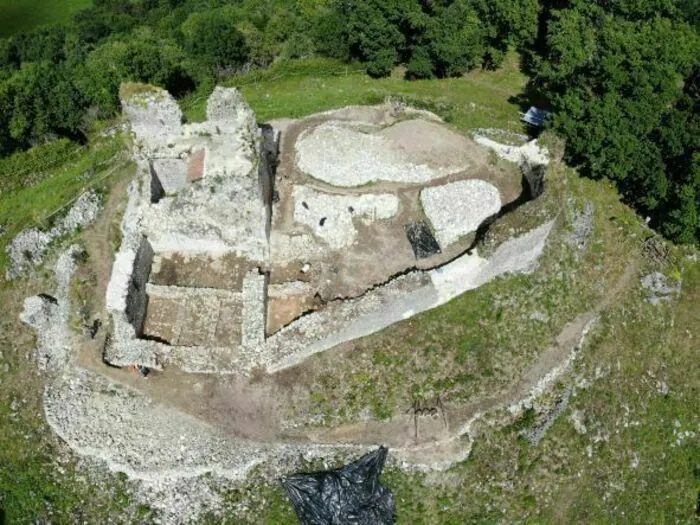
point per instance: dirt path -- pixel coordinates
(255, 408)
(97, 238)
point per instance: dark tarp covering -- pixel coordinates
(422, 239)
(351, 495)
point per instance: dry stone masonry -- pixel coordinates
(315, 251)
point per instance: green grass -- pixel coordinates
(625, 469)
(479, 99)
(39, 482)
(629, 466)
(23, 15)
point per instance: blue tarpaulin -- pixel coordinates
(535, 116)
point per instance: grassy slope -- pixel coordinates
(68, 175)
(22, 15)
(505, 478)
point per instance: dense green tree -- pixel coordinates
(139, 57)
(617, 83)
(40, 101)
(43, 43)
(212, 39)
(457, 39)
(622, 77)
(382, 32)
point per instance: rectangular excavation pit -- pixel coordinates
(194, 320)
(225, 272)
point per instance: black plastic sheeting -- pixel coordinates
(351, 495)
(422, 239)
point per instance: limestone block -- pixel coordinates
(227, 112)
(172, 174)
(153, 112)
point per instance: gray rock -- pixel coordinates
(539, 316)
(38, 311)
(657, 284)
(582, 227)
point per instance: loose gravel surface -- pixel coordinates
(458, 208)
(341, 155)
(330, 217)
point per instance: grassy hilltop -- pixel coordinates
(629, 461)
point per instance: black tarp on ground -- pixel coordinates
(422, 239)
(351, 495)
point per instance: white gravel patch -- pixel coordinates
(337, 154)
(457, 208)
(530, 152)
(331, 216)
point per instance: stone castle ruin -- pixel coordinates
(251, 246)
(248, 248)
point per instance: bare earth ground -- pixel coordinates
(254, 408)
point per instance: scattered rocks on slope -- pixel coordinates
(657, 284)
(535, 434)
(582, 227)
(29, 247)
(49, 315)
(577, 419)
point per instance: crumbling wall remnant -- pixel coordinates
(28, 248)
(153, 113)
(254, 309)
(126, 292)
(228, 112)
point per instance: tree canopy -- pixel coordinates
(622, 78)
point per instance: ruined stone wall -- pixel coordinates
(254, 309)
(154, 115)
(126, 292)
(229, 113)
